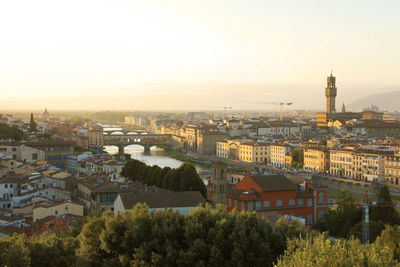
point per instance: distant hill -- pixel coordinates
(385, 101)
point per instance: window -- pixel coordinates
(236, 204)
(14, 149)
(309, 219)
(300, 202)
(250, 205)
(56, 212)
(266, 204)
(11, 185)
(321, 197)
(258, 205)
(279, 203)
(34, 156)
(242, 205)
(320, 214)
(6, 186)
(309, 202)
(292, 202)
(229, 202)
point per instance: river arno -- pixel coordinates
(156, 156)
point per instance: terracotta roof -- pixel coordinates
(163, 199)
(273, 182)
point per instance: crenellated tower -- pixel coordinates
(330, 93)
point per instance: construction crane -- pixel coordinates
(365, 214)
(281, 108)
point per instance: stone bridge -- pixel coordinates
(122, 139)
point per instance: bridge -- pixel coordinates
(123, 138)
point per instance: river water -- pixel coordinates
(156, 156)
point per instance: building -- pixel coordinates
(21, 152)
(207, 142)
(276, 193)
(96, 139)
(281, 128)
(98, 192)
(316, 159)
(278, 153)
(218, 185)
(392, 169)
(331, 115)
(180, 201)
(55, 150)
(343, 162)
(8, 190)
(330, 93)
(46, 115)
(253, 152)
(74, 160)
(375, 128)
(228, 149)
(59, 208)
(369, 164)
(190, 134)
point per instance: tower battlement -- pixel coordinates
(330, 93)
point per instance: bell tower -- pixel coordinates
(219, 183)
(330, 93)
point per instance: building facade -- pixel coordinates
(316, 159)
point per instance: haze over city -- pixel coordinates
(194, 54)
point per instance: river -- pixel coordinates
(156, 156)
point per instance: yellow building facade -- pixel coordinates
(316, 159)
(57, 209)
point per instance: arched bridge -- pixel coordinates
(122, 139)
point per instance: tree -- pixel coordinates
(390, 238)
(298, 158)
(205, 237)
(32, 124)
(184, 178)
(7, 132)
(319, 250)
(384, 214)
(339, 221)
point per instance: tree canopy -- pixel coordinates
(8, 132)
(205, 237)
(184, 178)
(32, 124)
(346, 221)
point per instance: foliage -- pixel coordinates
(8, 132)
(167, 238)
(184, 178)
(32, 124)
(48, 249)
(390, 237)
(346, 221)
(45, 135)
(204, 237)
(297, 158)
(81, 149)
(345, 196)
(385, 214)
(318, 250)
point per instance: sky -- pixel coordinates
(190, 54)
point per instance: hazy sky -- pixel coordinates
(195, 53)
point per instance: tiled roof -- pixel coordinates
(273, 182)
